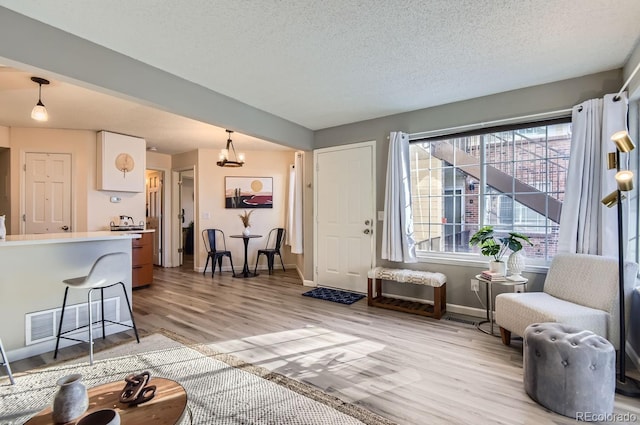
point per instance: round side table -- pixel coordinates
(488, 286)
(166, 408)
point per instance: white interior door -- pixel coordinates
(345, 184)
(154, 212)
(47, 193)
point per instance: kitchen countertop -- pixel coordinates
(67, 237)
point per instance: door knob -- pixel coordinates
(367, 231)
(367, 222)
(65, 228)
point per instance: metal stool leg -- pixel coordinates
(126, 297)
(90, 328)
(5, 363)
(102, 313)
(64, 304)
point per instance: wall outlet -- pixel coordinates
(475, 285)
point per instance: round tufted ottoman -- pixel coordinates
(569, 371)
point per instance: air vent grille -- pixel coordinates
(43, 325)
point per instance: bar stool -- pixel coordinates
(5, 363)
(108, 270)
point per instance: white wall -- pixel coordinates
(4, 137)
(211, 202)
(91, 209)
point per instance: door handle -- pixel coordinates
(367, 231)
(65, 228)
(367, 222)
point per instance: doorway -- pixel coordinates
(186, 189)
(345, 205)
(155, 211)
(47, 193)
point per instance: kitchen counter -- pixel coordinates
(31, 289)
(50, 238)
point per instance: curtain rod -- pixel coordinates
(439, 132)
(626, 83)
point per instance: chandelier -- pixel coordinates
(223, 158)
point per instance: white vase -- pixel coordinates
(246, 231)
(516, 264)
(498, 267)
(3, 228)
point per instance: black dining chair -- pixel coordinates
(272, 248)
(216, 246)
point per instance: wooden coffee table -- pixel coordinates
(166, 408)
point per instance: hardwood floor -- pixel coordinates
(411, 369)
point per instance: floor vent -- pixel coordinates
(458, 319)
(43, 325)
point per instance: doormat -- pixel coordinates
(335, 295)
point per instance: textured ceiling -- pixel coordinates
(326, 63)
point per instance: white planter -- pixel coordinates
(498, 267)
(516, 263)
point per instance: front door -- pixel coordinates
(47, 193)
(345, 183)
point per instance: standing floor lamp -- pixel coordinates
(624, 178)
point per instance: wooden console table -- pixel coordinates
(166, 408)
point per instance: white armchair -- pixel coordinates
(580, 290)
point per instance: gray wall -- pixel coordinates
(532, 100)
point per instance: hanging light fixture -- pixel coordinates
(39, 112)
(223, 157)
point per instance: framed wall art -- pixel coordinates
(248, 192)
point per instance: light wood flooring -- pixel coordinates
(407, 368)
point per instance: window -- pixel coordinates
(510, 178)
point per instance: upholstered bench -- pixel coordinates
(569, 370)
(436, 280)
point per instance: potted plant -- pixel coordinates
(491, 246)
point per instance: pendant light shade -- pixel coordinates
(224, 160)
(39, 112)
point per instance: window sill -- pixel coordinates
(471, 262)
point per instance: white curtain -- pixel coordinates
(397, 227)
(586, 225)
(294, 237)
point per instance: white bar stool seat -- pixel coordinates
(5, 363)
(108, 270)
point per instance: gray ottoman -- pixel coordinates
(569, 371)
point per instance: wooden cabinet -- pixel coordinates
(142, 260)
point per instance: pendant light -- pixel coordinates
(39, 112)
(223, 157)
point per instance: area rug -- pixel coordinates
(221, 389)
(335, 295)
